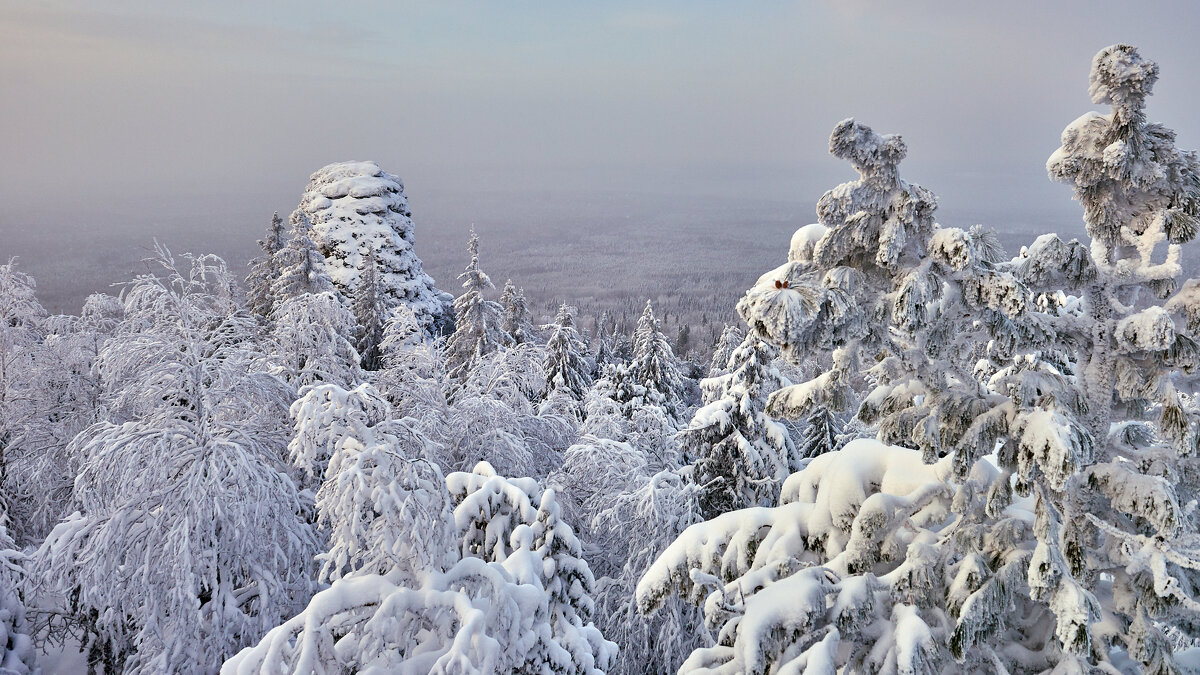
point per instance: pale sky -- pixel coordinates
(118, 107)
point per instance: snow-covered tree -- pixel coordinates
(324, 415)
(565, 366)
(740, 453)
(1071, 550)
(21, 316)
(654, 365)
(1113, 530)
(683, 340)
(300, 267)
(825, 580)
(23, 408)
(65, 396)
(380, 502)
(512, 596)
(370, 316)
(315, 335)
(478, 321)
(629, 514)
(516, 314)
(618, 407)
(820, 435)
(17, 654)
(900, 303)
(356, 208)
(731, 337)
(188, 541)
(264, 270)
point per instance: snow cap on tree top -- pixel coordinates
(871, 154)
(1121, 76)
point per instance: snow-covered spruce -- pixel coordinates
(900, 303)
(299, 266)
(511, 596)
(264, 270)
(732, 336)
(654, 365)
(741, 453)
(370, 316)
(356, 207)
(516, 314)
(842, 574)
(618, 407)
(1081, 530)
(478, 322)
(566, 368)
(1129, 500)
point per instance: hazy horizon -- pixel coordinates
(191, 124)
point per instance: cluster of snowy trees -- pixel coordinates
(331, 467)
(916, 455)
(1028, 502)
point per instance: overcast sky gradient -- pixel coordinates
(118, 108)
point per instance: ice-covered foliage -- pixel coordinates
(741, 454)
(299, 266)
(566, 368)
(187, 541)
(65, 397)
(478, 322)
(356, 208)
(17, 654)
(264, 270)
(315, 335)
(513, 595)
(634, 525)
